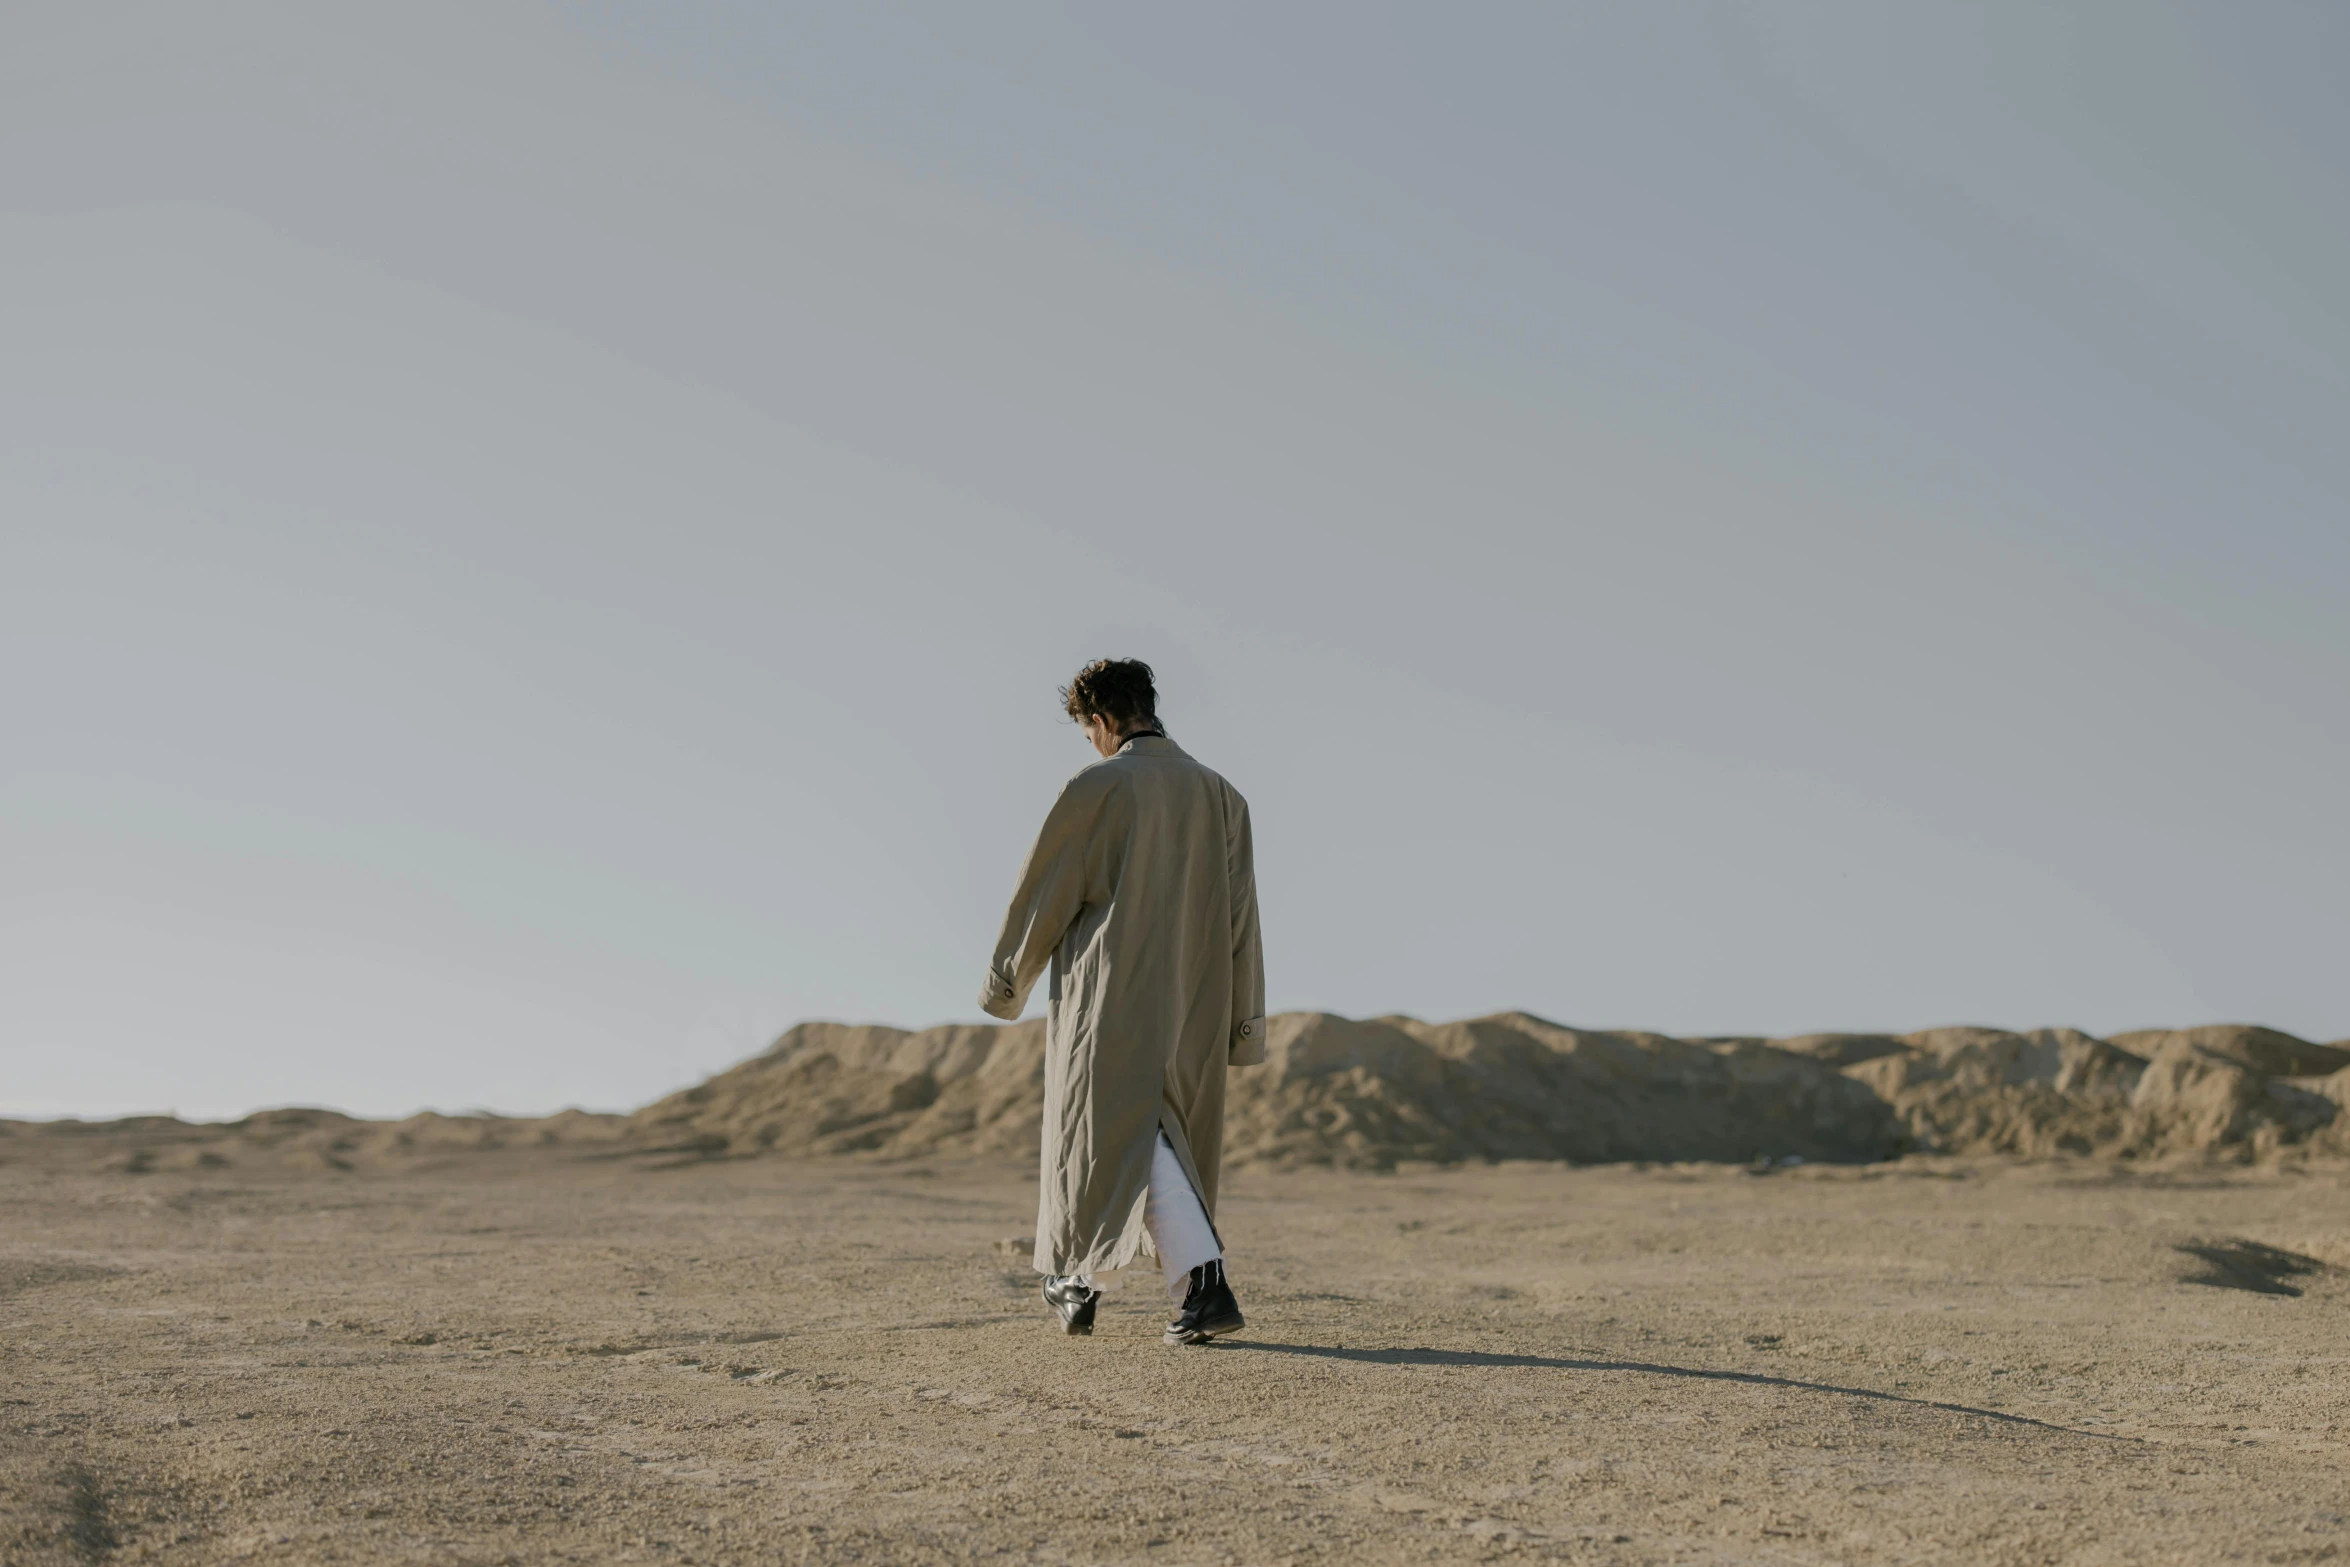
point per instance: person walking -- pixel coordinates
(1140, 896)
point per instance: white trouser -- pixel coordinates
(1180, 1232)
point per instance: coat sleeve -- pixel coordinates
(1051, 893)
(1248, 952)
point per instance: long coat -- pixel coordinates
(1141, 896)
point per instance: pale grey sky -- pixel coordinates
(536, 542)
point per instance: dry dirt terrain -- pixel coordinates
(525, 1356)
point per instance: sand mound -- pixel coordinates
(1373, 1093)
(841, 1088)
(2205, 1091)
(2263, 1050)
(1516, 1087)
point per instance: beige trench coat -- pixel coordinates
(1141, 896)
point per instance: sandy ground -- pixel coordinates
(525, 1358)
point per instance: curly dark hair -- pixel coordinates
(1118, 690)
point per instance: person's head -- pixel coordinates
(1110, 699)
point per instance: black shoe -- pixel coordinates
(1208, 1310)
(1074, 1302)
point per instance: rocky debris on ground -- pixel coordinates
(1380, 1092)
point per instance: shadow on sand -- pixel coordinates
(1477, 1357)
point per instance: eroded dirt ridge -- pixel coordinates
(1376, 1093)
